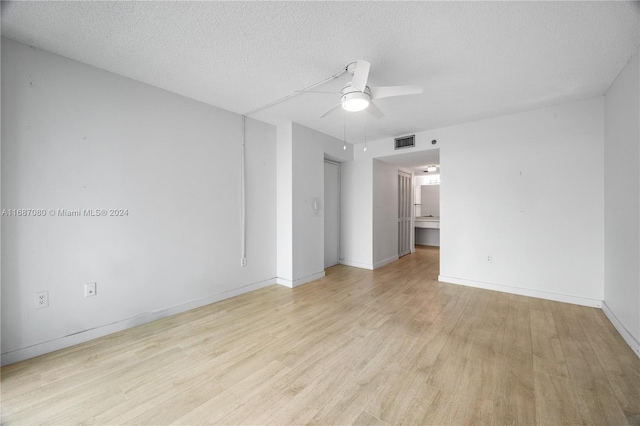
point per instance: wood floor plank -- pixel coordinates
(548, 356)
(450, 365)
(621, 370)
(366, 419)
(215, 409)
(490, 336)
(391, 346)
(344, 407)
(77, 387)
(514, 401)
(303, 405)
(474, 395)
(391, 403)
(517, 334)
(602, 406)
(140, 403)
(585, 371)
(557, 402)
(422, 403)
(174, 408)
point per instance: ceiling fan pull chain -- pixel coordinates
(344, 147)
(365, 131)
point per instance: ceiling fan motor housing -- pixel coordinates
(354, 100)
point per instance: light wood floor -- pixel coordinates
(392, 346)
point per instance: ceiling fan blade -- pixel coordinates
(374, 111)
(317, 91)
(389, 91)
(361, 75)
(330, 110)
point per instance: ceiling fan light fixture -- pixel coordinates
(431, 169)
(355, 101)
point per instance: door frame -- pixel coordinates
(339, 165)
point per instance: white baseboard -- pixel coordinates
(626, 335)
(356, 264)
(299, 281)
(583, 301)
(86, 335)
(385, 261)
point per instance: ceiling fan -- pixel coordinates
(357, 96)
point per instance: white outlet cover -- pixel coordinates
(90, 289)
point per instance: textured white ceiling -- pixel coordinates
(474, 59)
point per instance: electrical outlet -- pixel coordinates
(90, 289)
(243, 261)
(489, 258)
(42, 299)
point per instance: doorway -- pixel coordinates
(404, 213)
(331, 213)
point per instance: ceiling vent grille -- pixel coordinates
(405, 142)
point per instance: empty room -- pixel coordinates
(283, 213)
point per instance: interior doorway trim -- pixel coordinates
(339, 208)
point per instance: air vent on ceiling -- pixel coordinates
(405, 142)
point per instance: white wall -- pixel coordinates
(284, 196)
(526, 188)
(1, 174)
(622, 203)
(357, 212)
(76, 137)
(301, 153)
(308, 187)
(385, 213)
(370, 210)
